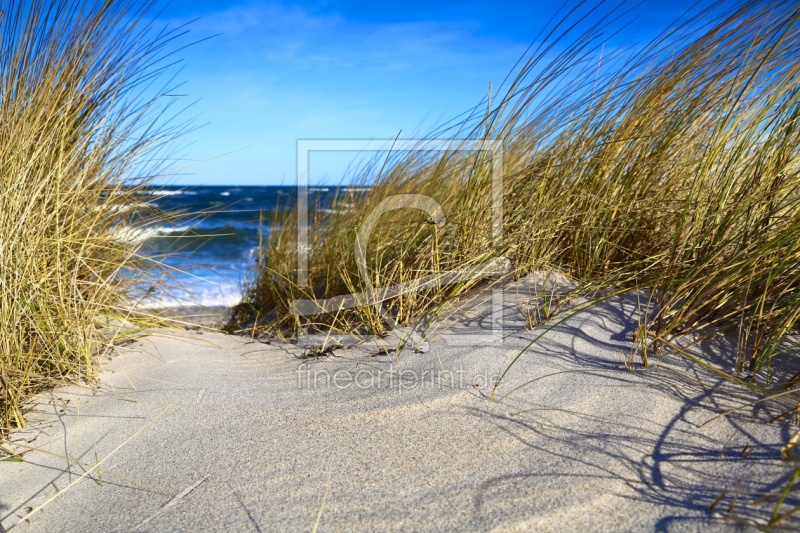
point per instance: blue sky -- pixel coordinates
(282, 71)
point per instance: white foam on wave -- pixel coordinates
(123, 208)
(161, 192)
(134, 234)
(216, 293)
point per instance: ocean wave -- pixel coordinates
(205, 240)
(166, 192)
(162, 192)
(135, 235)
(124, 208)
(206, 231)
(212, 293)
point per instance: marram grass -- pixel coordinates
(672, 168)
(77, 134)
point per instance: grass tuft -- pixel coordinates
(82, 122)
(672, 167)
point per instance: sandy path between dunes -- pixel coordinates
(233, 434)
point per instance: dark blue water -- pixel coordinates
(207, 257)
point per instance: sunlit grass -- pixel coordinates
(83, 128)
(672, 168)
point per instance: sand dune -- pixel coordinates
(203, 431)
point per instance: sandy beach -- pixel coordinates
(198, 430)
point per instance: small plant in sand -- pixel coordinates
(549, 299)
(539, 310)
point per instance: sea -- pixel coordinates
(209, 253)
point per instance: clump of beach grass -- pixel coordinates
(83, 128)
(673, 167)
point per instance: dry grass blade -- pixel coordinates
(95, 467)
